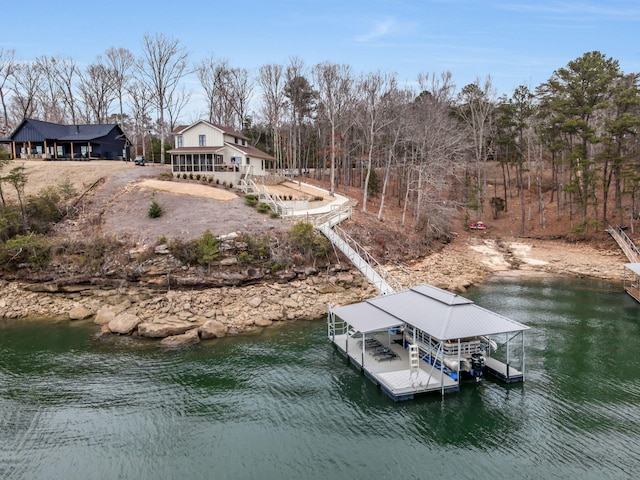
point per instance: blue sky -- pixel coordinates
(516, 42)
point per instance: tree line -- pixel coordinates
(426, 147)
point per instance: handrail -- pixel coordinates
(626, 244)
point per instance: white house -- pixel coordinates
(213, 150)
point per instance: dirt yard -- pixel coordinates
(119, 207)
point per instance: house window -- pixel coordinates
(248, 161)
(202, 140)
(236, 139)
(244, 142)
(179, 141)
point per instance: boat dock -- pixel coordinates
(424, 340)
(394, 375)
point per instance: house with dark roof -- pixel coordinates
(210, 149)
(53, 141)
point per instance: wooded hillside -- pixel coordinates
(566, 148)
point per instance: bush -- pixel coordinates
(43, 210)
(155, 210)
(32, 250)
(274, 214)
(166, 176)
(263, 208)
(304, 239)
(207, 249)
(198, 176)
(244, 258)
(251, 199)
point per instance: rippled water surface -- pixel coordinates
(285, 405)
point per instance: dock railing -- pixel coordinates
(626, 244)
(358, 255)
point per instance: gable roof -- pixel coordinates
(31, 130)
(250, 151)
(180, 129)
(439, 313)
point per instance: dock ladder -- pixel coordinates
(414, 365)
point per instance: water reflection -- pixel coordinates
(285, 404)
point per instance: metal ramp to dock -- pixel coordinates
(357, 255)
(625, 243)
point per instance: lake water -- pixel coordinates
(286, 405)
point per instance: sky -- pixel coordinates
(514, 42)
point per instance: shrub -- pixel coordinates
(217, 181)
(43, 210)
(207, 249)
(184, 176)
(251, 199)
(155, 210)
(274, 214)
(185, 251)
(32, 250)
(244, 258)
(198, 176)
(210, 179)
(162, 240)
(230, 185)
(191, 176)
(263, 208)
(166, 176)
(304, 239)
(276, 267)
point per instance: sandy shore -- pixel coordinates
(471, 260)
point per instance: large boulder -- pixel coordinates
(212, 329)
(125, 323)
(79, 313)
(163, 329)
(189, 338)
(104, 315)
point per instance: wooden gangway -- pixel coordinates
(626, 244)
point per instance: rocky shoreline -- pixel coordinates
(179, 317)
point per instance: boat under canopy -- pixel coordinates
(426, 339)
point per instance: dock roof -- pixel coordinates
(439, 313)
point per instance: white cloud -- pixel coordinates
(380, 29)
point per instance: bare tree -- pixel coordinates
(213, 76)
(49, 91)
(67, 74)
(162, 66)
(374, 90)
(26, 87)
(139, 102)
(241, 90)
(439, 143)
(120, 61)
(301, 96)
(98, 91)
(7, 67)
(334, 84)
(476, 109)
(175, 105)
(271, 80)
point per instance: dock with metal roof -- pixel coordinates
(424, 339)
